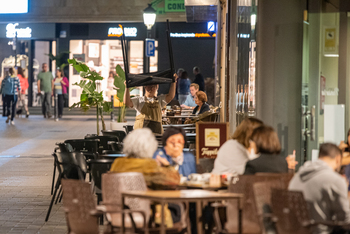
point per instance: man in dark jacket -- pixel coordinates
(324, 189)
(198, 79)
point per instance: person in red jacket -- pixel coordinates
(24, 86)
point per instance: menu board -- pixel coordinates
(209, 138)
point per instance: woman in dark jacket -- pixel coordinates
(264, 141)
(200, 99)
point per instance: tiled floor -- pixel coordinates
(26, 168)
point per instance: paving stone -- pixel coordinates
(26, 168)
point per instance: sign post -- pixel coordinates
(150, 47)
(210, 137)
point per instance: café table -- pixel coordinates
(198, 196)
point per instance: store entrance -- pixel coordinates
(324, 81)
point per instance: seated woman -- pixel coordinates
(233, 154)
(172, 152)
(201, 100)
(264, 141)
(139, 147)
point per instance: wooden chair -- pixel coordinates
(262, 197)
(244, 184)
(81, 210)
(292, 215)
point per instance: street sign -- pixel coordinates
(175, 6)
(150, 47)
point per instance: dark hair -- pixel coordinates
(245, 129)
(202, 96)
(20, 71)
(266, 140)
(329, 150)
(196, 69)
(184, 75)
(11, 71)
(172, 131)
(60, 70)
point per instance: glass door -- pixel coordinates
(320, 84)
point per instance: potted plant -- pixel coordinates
(90, 97)
(119, 83)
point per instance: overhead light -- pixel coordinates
(253, 20)
(149, 16)
(331, 55)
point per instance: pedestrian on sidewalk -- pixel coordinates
(60, 88)
(24, 86)
(10, 87)
(45, 84)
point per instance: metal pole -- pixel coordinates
(56, 107)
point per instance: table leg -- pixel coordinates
(188, 221)
(123, 215)
(162, 225)
(240, 215)
(199, 216)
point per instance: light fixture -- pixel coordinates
(253, 20)
(149, 16)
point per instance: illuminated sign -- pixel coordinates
(192, 35)
(13, 6)
(211, 26)
(11, 31)
(243, 35)
(118, 31)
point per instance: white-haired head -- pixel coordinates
(140, 143)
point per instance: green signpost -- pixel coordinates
(175, 6)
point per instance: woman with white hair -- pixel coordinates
(139, 147)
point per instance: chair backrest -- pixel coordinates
(79, 202)
(290, 208)
(87, 145)
(115, 133)
(103, 142)
(67, 166)
(99, 167)
(113, 184)
(128, 128)
(205, 165)
(283, 177)
(244, 184)
(65, 147)
(262, 198)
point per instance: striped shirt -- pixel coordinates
(16, 84)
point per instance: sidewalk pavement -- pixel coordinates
(26, 167)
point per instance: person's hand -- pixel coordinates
(291, 161)
(176, 77)
(162, 161)
(342, 146)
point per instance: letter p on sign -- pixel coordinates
(150, 47)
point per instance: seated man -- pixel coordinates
(172, 152)
(324, 189)
(190, 103)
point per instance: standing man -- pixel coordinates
(198, 79)
(45, 83)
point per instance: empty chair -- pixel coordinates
(88, 146)
(104, 142)
(81, 210)
(262, 197)
(115, 133)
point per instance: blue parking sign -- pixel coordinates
(150, 47)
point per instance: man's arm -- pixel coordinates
(127, 99)
(39, 91)
(170, 96)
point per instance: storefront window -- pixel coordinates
(103, 56)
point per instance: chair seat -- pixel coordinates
(116, 219)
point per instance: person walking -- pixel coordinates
(10, 87)
(45, 84)
(60, 88)
(24, 86)
(199, 79)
